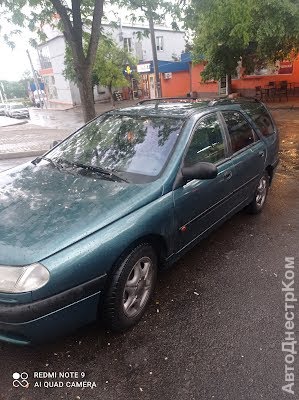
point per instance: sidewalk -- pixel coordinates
(6, 121)
(28, 140)
(70, 118)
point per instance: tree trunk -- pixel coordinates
(111, 95)
(154, 51)
(86, 93)
(229, 84)
(73, 33)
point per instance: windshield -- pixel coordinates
(136, 148)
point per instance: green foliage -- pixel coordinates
(260, 31)
(109, 66)
(69, 70)
(159, 9)
(15, 89)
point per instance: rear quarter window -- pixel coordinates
(261, 117)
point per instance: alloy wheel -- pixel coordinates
(138, 287)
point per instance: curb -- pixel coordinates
(52, 109)
(23, 154)
(17, 123)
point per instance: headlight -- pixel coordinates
(23, 279)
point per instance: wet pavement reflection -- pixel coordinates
(288, 124)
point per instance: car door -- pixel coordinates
(200, 204)
(248, 153)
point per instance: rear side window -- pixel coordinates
(240, 132)
(261, 117)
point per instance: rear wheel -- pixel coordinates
(131, 288)
(260, 195)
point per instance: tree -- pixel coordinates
(259, 31)
(15, 89)
(111, 62)
(154, 12)
(109, 67)
(73, 21)
(75, 18)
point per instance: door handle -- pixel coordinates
(227, 175)
(261, 153)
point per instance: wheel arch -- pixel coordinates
(159, 244)
(157, 241)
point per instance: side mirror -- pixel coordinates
(201, 170)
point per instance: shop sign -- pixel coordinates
(144, 67)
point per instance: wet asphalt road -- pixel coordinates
(213, 331)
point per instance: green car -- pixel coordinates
(85, 228)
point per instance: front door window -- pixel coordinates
(207, 143)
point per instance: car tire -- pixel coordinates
(260, 195)
(130, 289)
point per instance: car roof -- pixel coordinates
(180, 107)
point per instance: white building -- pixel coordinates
(170, 44)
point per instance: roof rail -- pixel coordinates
(211, 102)
(165, 99)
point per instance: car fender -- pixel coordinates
(97, 253)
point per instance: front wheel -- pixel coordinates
(260, 195)
(131, 288)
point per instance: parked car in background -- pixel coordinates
(85, 228)
(17, 111)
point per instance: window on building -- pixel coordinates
(207, 143)
(240, 132)
(45, 59)
(128, 44)
(160, 43)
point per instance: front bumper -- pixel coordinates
(48, 318)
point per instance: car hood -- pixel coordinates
(43, 210)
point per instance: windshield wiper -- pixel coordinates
(106, 172)
(52, 162)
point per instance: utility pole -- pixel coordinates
(3, 94)
(35, 79)
(154, 50)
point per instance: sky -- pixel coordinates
(13, 63)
